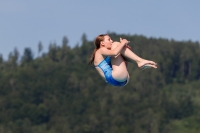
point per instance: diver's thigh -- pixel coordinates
(119, 72)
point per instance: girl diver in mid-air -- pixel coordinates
(110, 60)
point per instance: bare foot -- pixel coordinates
(147, 63)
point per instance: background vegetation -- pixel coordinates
(58, 92)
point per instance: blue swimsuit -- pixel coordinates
(106, 67)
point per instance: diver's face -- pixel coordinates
(107, 42)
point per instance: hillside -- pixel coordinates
(58, 92)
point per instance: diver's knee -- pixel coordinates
(115, 44)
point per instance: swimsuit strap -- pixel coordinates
(106, 59)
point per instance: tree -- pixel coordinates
(1, 58)
(84, 39)
(1, 62)
(13, 59)
(28, 56)
(40, 47)
(65, 42)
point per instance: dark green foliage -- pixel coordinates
(58, 92)
(28, 56)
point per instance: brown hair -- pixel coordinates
(97, 43)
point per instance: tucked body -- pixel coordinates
(110, 60)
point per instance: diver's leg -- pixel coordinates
(119, 71)
(130, 56)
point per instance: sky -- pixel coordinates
(25, 23)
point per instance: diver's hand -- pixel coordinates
(124, 41)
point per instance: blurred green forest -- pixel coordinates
(58, 92)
